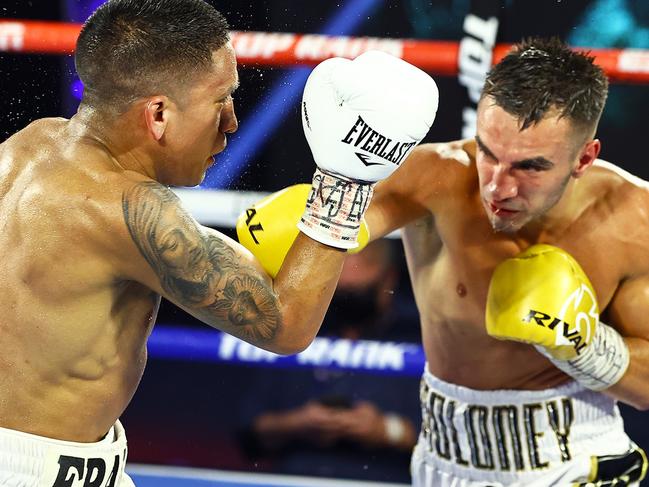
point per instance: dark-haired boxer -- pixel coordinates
(92, 236)
(515, 240)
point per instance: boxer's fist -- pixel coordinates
(543, 297)
(269, 227)
(363, 117)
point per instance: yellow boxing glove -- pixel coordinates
(269, 227)
(543, 297)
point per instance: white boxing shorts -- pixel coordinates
(34, 461)
(566, 436)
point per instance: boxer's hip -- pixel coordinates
(513, 437)
(28, 460)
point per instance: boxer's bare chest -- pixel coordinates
(451, 259)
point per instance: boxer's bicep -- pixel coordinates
(204, 272)
(628, 311)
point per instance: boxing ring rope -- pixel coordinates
(288, 49)
(158, 476)
(396, 358)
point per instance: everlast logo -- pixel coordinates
(373, 142)
(87, 472)
(551, 322)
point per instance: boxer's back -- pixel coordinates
(70, 329)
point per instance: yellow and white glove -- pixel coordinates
(269, 227)
(361, 119)
(543, 297)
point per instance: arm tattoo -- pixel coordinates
(198, 269)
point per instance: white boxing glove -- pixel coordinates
(361, 119)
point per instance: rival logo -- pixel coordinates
(377, 144)
(551, 322)
(256, 227)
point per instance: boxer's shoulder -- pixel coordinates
(618, 207)
(622, 192)
(454, 153)
(48, 127)
(615, 174)
(455, 163)
(442, 163)
(434, 174)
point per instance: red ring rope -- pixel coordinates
(286, 49)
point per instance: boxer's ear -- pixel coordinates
(586, 157)
(156, 115)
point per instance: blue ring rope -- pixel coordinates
(391, 358)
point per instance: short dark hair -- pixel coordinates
(540, 76)
(128, 49)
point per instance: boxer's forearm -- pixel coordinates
(281, 315)
(304, 287)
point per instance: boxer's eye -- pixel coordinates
(534, 167)
(531, 167)
(536, 164)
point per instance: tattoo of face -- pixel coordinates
(198, 269)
